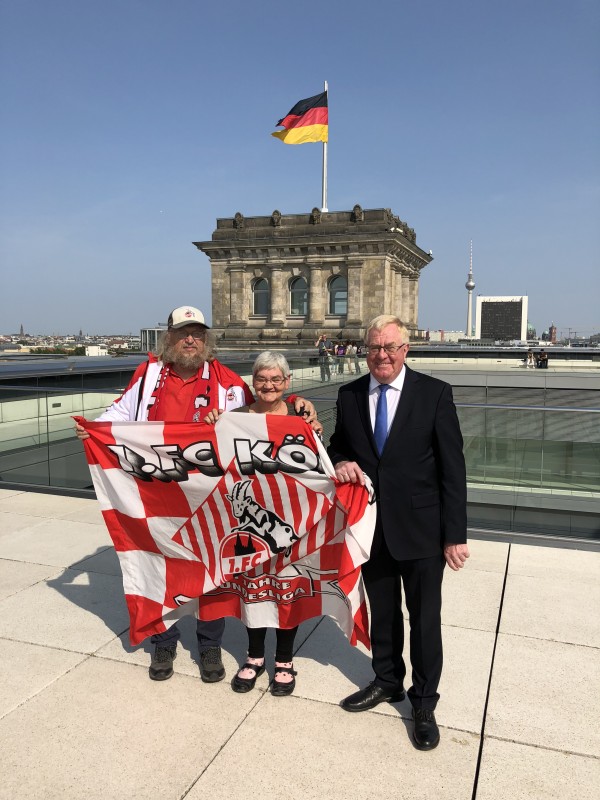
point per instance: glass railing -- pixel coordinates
(528, 467)
(534, 447)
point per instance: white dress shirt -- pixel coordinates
(392, 398)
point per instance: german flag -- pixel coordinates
(307, 121)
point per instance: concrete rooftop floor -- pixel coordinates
(79, 717)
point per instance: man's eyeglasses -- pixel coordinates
(198, 336)
(260, 381)
(390, 349)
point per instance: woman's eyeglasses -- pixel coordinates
(260, 381)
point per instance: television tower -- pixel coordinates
(469, 286)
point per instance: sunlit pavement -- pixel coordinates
(79, 717)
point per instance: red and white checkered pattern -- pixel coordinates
(184, 546)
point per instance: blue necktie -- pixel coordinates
(381, 424)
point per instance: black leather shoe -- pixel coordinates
(426, 733)
(370, 697)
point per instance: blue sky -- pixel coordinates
(129, 126)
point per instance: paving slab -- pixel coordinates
(582, 566)
(13, 523)
(546, 694)
(471, 598)
(6, 493)
(106, 561)
(520, 772)
(101, 732)
(89, 513)
(329, 669)
(38, 504)
(556, 607)
(27, 669)
(55, 541)
(301, 750)
(487, 556)
(18, 575)
(72, 611)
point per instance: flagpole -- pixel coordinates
(324, 193)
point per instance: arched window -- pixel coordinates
(338, 295)
(298, 297)
(261, 296)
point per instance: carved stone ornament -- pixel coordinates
(315, 216)
(358, 215)
(238, 220)
(276, 219)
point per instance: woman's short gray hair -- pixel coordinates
(269, 359)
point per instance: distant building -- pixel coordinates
(501, 318)
(446, 336)
(149, 338)
(552, 333)
(96, 350)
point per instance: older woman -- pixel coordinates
(270, 380)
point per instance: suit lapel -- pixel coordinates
(362, 402)
(407, 399)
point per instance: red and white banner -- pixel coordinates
(240, 519)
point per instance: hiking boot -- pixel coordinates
(161, 666)
(211, 666)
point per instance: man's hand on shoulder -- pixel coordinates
(456, 555)
(305, 409)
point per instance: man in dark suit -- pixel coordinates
(400, 428)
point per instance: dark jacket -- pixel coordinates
(420, 479)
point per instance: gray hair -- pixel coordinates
(382, 321)
(210, 345)
(269, 359)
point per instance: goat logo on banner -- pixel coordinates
(260, 533)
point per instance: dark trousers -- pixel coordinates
(210, 634)
(284, 651)
(422, 582)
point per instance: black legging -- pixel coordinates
(284, 651)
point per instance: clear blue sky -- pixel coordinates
(128, 126)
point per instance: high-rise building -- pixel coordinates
(501, 318)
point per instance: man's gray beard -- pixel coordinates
(185, 360)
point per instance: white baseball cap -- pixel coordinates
(186, 315)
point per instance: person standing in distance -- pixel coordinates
(400, 428)
(183, 383)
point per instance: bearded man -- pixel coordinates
(183, 383)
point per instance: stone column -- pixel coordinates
(238, 306)
(397, 293)
(355, 293)
(403, 296)
(278, 298)
(316, 297)
(413, 284)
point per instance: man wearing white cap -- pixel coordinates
(182, 383)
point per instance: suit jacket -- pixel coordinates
(420, 480)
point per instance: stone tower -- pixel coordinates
(282, 280)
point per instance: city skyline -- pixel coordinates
(130, 127)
